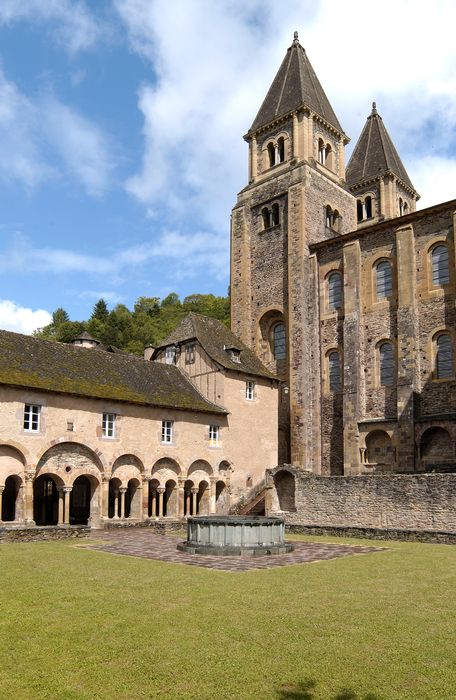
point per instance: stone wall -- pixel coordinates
(39, 534)
(419, 502)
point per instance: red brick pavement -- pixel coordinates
(143, 543)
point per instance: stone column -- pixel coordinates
(253, 160)
(136, 510)
(2, 488)
(61, 507)
(187, 501)
(408, 365)
(154, 502)
(28, 514)
(295, 137)
(161, 490)
(353, 399)
(212, 495)
(195, 490)
(180, 497)
(122, 492)
(145, 499)
(66, 517)
(104, 506)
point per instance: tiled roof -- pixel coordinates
(216, 338)
(42, 364)
(374, 155)
(295, 85)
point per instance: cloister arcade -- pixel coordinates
(73, 485)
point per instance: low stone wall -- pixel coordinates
(36, 534)
(386, 502)
(159, 526)
(371, 533)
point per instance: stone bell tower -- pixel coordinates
(296, 196)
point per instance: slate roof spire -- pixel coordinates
(295, 85)
(375, 155)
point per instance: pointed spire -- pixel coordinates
(375, 155)
(295, 85)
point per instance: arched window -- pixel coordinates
(335, 290)
(271, 154)
(405, 208)
(443, 356)
(329, 157)
(386, 362)
(321, 152)
(368, 207)
(401, 206)
(334, 370)
(440, 266)
(275, 214)
(266, 214)
(281, 149)
(384, 279)
(279, 342)
(359, 210)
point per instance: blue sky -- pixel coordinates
(121, 125)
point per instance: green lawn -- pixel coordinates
(77, 624)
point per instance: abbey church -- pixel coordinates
(343, 289)
(339, 367)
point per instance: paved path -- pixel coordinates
(143, 543)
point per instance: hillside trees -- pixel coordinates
(150, 321)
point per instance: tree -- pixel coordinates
(100, 311)
(59, 316)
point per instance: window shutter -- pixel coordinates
(386, 364)
(334, 370)
(335, 290)
(440, 267)
(384, 279)
(444, 363)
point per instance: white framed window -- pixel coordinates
(32, 414)
(190, 354)
(171, 355)
(214, 435)
(109, 425)
(167, 432)
(250, 390)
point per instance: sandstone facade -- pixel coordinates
(362, 286)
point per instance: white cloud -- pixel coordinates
(214, 62)
(45, 139)
(186, 254)
(70, 22)
(108, 295)
(81, 145)
(22, 319)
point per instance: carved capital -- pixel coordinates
(29, 476)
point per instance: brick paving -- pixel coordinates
(149, 545)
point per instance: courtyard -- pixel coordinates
(96, 620)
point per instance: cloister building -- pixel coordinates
(93, 436)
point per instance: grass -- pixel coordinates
(77, 624)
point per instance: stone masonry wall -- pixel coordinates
(404, 502)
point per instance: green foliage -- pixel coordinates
(149, 323)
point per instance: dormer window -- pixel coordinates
(190, 354)
(171, 355)
(234, 354)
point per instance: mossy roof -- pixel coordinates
(42, 364)
(216, 339)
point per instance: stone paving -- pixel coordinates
(149, 545)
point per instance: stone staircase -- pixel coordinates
(251, 503)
